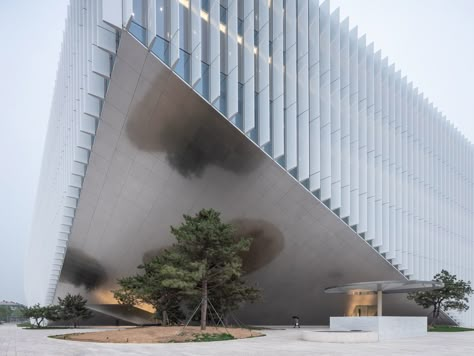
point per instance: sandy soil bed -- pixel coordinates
(157, 334)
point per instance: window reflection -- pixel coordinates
(139, 12)
(139, 32)
(183, 66)
(203, 86)
(163, 19)
(161, 48)
(223, 97)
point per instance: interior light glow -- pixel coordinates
(204, 15)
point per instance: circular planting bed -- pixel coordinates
(161, 334)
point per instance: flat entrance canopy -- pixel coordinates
(384, 287)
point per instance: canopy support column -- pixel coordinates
(379, 303)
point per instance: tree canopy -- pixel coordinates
(41, 313)
(73, 308)
(205, 262)
(11, 313)
(453, 296)
(158, 284)
(70, 308)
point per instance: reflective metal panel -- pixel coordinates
(174, 155)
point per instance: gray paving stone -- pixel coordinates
(16, 341)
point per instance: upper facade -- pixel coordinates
(333, 111)
(303, 86)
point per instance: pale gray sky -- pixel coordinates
(431, 41)
(30, 40)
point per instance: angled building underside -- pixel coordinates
(275, 113)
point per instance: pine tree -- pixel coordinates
(37, 313)
(160, 285)
(210, 253)
(73, 308)
(453, 296)
(204, 263)
(42, 313)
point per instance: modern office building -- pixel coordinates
(277, 113)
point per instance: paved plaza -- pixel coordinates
(19, 342)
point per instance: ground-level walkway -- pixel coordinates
(16, 341)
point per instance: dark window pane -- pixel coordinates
(203, 86)
(139, 12)
(183, 65)
(161, 49)
(223, 97)
(138, 32)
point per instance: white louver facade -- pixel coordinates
(305, 87)
(335, 113)
(84, 68)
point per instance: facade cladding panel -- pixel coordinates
(303, 86)
(84, 70)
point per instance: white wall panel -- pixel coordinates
(214, 51)
(151, 22)
(404, 174)
(96, 85)
(100, 62)
(409, 179)
(335, 87)
(263, 74)
(291, 134)
(291, 86)
(345, 122)
(362, 226)
(325, 98)
(370, 234)
(415, 196)
(79, 90)
(232, 60)
(127, 11)
(196, 40)
(385, 157)
(303, 90)
(277, 74)
(378, 138)
(354, 126)
(174, 31)
(302, 56)
(397, 177)
(112, 12)
(249, 66)
(391, 163)
(106, 40)
(314, 113)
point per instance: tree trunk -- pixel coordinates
(204, 305)
(165, 318)
(433, 319)
(435, 315)
(437, 312)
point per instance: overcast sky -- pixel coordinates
(431, 41)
